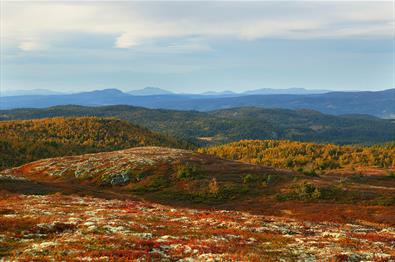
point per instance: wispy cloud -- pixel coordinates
(29, 45)
(132, 24)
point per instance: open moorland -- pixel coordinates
(155, 203)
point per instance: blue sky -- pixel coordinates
(197, 46)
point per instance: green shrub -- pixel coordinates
(247, 179)
(384, 201)
(271, 179)
(307, 191)
(153, 183)
(391, 174)
(310, 173)
(358, 177)
(187, 172)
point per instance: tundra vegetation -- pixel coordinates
(250, 200)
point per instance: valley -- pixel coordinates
(230, 125)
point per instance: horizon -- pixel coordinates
(192, 47)
(208, 93)
(184, 130)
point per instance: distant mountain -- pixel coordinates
(149, 91)
(234, 124)
(380, 103)
(29, 92)
(287, 91)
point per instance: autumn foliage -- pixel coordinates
(28, 140)
(305, 156)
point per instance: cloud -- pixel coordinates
(126, 40)
(29, 45)
(134, 24)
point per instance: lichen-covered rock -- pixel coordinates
(119, 179)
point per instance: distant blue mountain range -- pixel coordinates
(379, 103)
(148, 91)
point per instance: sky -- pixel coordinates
(195, 47)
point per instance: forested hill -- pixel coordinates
(234, 124)
(306, 157)
(23, 141)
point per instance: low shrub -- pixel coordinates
(391, 174)
(187, 171)
(152, 184)
(308, 191)
(250, 178)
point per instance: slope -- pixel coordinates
(23, 141)
(307, 157)
(185, 178)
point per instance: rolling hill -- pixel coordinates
(183, 177)
(379, 103)
(167, 204)
(230, 125)
(27, 140)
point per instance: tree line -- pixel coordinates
(28, 140)
(305, 156)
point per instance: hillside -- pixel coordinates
(74, 228)
(171, 173)
(167, 204)
(307, 157)
(182, 177)
(22, 141)
(234, 124)
(379, 103)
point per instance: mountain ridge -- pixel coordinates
(377, 103)
(150, 91)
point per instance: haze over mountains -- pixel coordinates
(151, 90)
(377, 103)
(22, 92)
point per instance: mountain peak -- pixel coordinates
(150, 90)
(109, 91)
